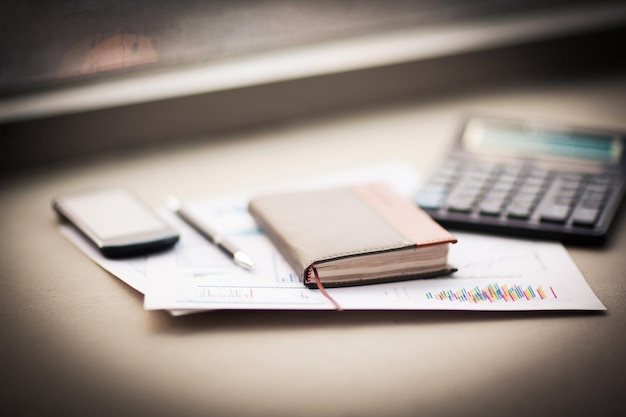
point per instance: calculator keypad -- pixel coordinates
(503, 193)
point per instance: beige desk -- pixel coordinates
(76, 341)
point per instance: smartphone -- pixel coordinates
(116, 221)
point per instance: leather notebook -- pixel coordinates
(352, 235)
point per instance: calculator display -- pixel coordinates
(532, 139)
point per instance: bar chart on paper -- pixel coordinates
(503, 277)
(494, 292)
(507, 274)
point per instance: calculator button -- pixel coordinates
(431, 201)
(504, 186)
(445, 178)
(534, 182)
(570, 183)
(591, 204)
(571, 177)
(563, 201)
(566, 194)
(496, 195)
(511, 170)
(460, 205)
(432, 197)
(524, 199)
(555, 214)
(520, 211)
(597, 188)
(585, 216)
(491, 207)
(507, 177)
(590, 195)
(604, 180)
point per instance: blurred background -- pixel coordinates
(83, 77)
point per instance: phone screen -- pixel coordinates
(111, 214)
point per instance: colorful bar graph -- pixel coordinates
(493, 293)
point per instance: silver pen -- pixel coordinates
(239, 257)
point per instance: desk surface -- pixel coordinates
(76, 341)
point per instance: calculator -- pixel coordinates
(529, 178)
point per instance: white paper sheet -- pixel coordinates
(132, 270)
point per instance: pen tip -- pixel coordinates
(244, 261)
(173, 203)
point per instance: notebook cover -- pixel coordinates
(308, 227)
